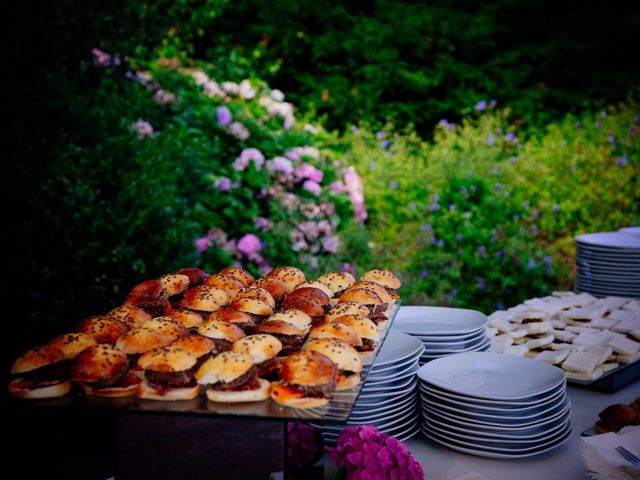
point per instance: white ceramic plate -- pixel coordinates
(450, 338)
(610, 239)
(511, 452)
(480, 347)
(368, 397)
(535, 433)
(400, 366)
(390, 387)
(490, 407)
(393, 412)
(428, 345)
(491, 375)
(396, 347)
(420, 320)
(383, 407)
(386, 381)
(430, 351)
(366, 405)
(631, 230)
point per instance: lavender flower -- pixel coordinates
(531, 265)
(555, 208)
(281, 165)
(365, 452)
(249, 155)
(249, 244)
(263, 224)
(311, 186)
(203, 243)
(443, 122)
(331, 243)
(622, 160)
(239, 131)
(353, 184)
(337, 187)
(223, 116)
(142, 128)
(481, 105)
(163, 97)
(427, 228)
(308, 171)
(424, 274)
(223, 184)
(393, 185)
(380, 135)
(101, 59)
(491, 139)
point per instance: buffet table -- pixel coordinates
(562, 463)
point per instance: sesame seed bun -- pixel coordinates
(336, 330)
(347, 308)
(364, 327)
(374, 287)
(231, 315)
(149, 289)
(252, 395)
(208, 296)
(289, 397)
(297, 318)
(141, 340)
(337, 281)
(342, 354)
(188, 319)
(227, 283)
(280, 328)
(382, 277)
(309, 292)
(36, 358)
(261, 347)
(103, 329)
(167, 359)
(221, 330)
(196, 345)
(276, 287)
(362, 296)
(309, 369)
(196, 275)
(253, 306)
(225, 367)
(316, 284)
(306, 304)
(241, 274)
(71, 344)
(175, 283)
(97, 363)
(166, 326)
(256, 293)
(130, 315)
(291, 276)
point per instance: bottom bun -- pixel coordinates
(147, 390)
(19, 388)
(228, 396)
(348, 382)
(123, 391)
(287, 396)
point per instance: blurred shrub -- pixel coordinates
(484, 216)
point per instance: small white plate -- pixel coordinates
(431, 351)
(401, 366)
(492, 375)
(480, 347)
(450, 338)
(390, 414)
(383, 406)
(630, 230)
(617, 240)
(396, 347)
(428, 345)
(366, 397)
(361, 406)
(420, 320)
(387, 381)
(388, 387)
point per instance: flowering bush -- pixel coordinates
(363, 452)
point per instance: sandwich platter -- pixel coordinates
(281, 346)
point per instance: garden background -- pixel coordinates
(461, 145)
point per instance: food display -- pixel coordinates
(226, 337)
(618, 415)
(584, 335)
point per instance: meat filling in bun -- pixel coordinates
(245, 321)
(168, 374)
(384, 278)
(290, 336)
(42, 372)
(103, 370)
(232, 377)
(308, 380)
(222, 333)
(365, 328)
(104, 330)
(274, 286)
(344, 356)
(338, 282)
(262, 348)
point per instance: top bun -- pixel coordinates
(140, 340)
(196, 275)
(175, 283)
(167, 359)
(363, 296)
(308, 368)
(186, 318)
(103, 329)
(99, 362)
(207, 295)
(297, 318)
(342, 354)
(151, 289)
(252, 305)
(227, 283)
(261, 347)
(36, 358)
(71, 344)
(291, 276)
(256, 293)
(241, 274)
(166, 326)
(304, 303)
(276, 287)
(277, 327)
(336, 330)
(197, 345)
(221, 330)
(316, 284)
(130, 315)
(231, 315)
(337, 281)
(374, 287)
(309, 292)
(347, 308)
(382, 277)
(225, 368)
(363, 326)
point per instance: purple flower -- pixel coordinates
(249, 244)
(223, 184)
(424, 274)
(498, 186)
(458, 236)
(263, 224)
(100, 58)
(491, 139)
(380, 135)
(499, 306)
(142, 128)
(555, 208)
(531, 265)
(547, 261)
(480, 281)
(280, 164)
(536, 213)
(305, 445)
(611, 139)
(353, 184)
(337, 187)
(493, 103)
(510, 137)
(203, 243)
(427, 228)
(452, 206)
(443, 122)
(622, 160)
(578, 125)
(412, 206)
(312, 187)
(598, 124)
(434, 207)
(393, 185)
(454, 292)
(603, 114)
(355, 130)
(239, 131)
(481, 105)
(331, 243)
(223, 116)
(482, 250)
(247, 155)
(384, 143)
(308, 171)
(348, 267)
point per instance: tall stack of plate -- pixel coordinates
(443, 331)
(388, 399)
(608, 263)
(494, 405)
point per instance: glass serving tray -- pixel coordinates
(337, 410)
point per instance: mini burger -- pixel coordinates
(103, 370)
(256, 293)
(41, 372)
(365, 328)
(254, 307)
(338, 282)
(370, 299)
(188, 319)
(385, 278)
(347, 308)
(336, 330)
(232, 377)
(316, 284)
(138, 341)
(227, 283)
(291, 276)
(199, 346)
(344, 356)
(151, 296)
(306, 304)
(175, 284)
(240, 273)
(168, 374)
(130, 315)
(104, 330)
(290, 337)
(297, 318)
(71, 344)
(244, 320)
(262, 348)
(167, 327)
(378, 289)
(316, 294)
(308, 380)
(196, 275)
(202, 300)
(222, 333)
(274, 286)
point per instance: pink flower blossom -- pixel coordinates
(308, 171)
(239, 131)
(142, 128)
(347, 267)
(212, 89)
(199, 77)
(232, 88)
(280, 164)
(101, 59)
(163, 97)
(249, 244)
(223, 184)
(247, 155)
(331, 243)
(245, 90)
(277, 95)
(203, 243)
(297, 153)
(311, 186)
(337, 187)
(353, 185)
(223, 116)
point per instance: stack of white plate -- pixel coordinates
(494, 405)
(608, 263)
(388, 399)
(443, 331)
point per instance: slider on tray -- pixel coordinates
(151, 296)
(104, 330)
(244, 320)
(227, 283)
(274, 286)
(338, 282)
(344, 356)
(103, 370)
(42, 372)
(365, 328)
(168, 374)
(291, 276)
(240, 273)
(130, 315)
(196, 275)
(232, 377)
(222, 333)
(385, 278)
(138, 341)
(337, 330)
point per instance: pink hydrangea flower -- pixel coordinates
(203, 243)
(353, 185)
(239, 131)
(223, 116)
(102, 59)
(311, 186)
(249, 244)
(337, 187)
(280, 164)
(142, 128)
(308, 171)
(249, 155)
(223, 184)
(331, 243)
